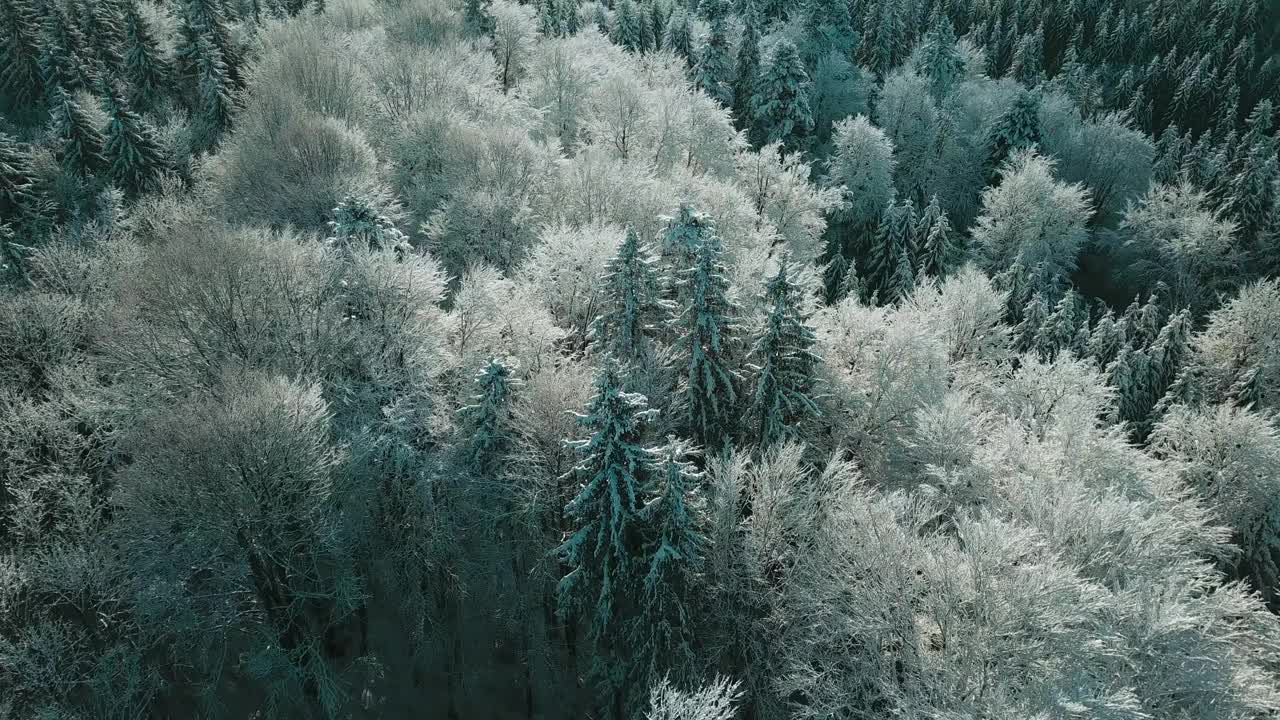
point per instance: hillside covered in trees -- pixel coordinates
(661, 359)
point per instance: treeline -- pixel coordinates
(643, 359)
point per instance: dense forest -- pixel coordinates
(653, 359)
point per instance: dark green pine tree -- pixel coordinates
(570, 22)
(1061, 329)
(17, 195)
(708, 323)
(780, 106)
(1167, 357)
(1017, 128)
(487, 424)
(885, 26)
(785, 365)
(748, 69)
(1106, 339)
(102, 22)
(80, 143)
(205, 19)
(627, 26)
(215, 95)
(1126, 375)
(892, 252)
(632, 308)
(827, 29)
(135, 159)
(21, 77)
(549, 19)
(678, 37)
(940, 62)
(937, 246)
(657, 24)
(65, 62)
(647, 39)
(683, 236)
(475, 14)
(603, 554)
(714, 70)
(1034, 314)
(145, 66)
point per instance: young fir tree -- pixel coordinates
(632, 307)
(613, 472)
(357, 223)
(80, 142)
(1033, 316)
(903, 280)
(937, 248)
(145, 66)
(714, 71)
(647, 39)
(684, 235)
(1106, 339)
(488, 427)
(708, 324)
(780, 106)
(627, 31)
(135, 159)
(1126, 375)
(785, 365)
(678, 37)
(17, 196)
(216, 99)
(939, 61)
(1061, 329)
(748, 68)
(657, 24)
(826, 29)
(885, 27)
(20, 74)
(892, 245)
(103, 27)
(1016, 129)
(476, 16)
(65, 63)
(674, 516)
(204, 20)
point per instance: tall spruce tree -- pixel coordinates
(780, 106)
(134, 157)
(657, 24)
(21, 77)
(939, 61)
(80, 142)
(714, 71)
(684, 234)
(488, 426)
(678, 37)
(65, 62)
(632, 307)
(1017, 129)
(892, 253)
(748, 68)
(145, 66)
(17, 196)
(937, 246)
(709, 392)
(784, 364)
(476, 17)
(215, 94)
(627, 26)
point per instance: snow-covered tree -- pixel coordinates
(1017, 129)
(477, 16)
(628, 26)
(780, 106)
(890, 270)
(717, 701)
(937, 59)
(21, 76)
(146, 67)
(713, 72)
(488, 425)
(678, 36)
(938, 252)
(514, 32)
(747, 70)
(80, 140)
(133, 155)
(708, 324)
(907, 113)
(632, 308)
(862, 163)
(784, 364)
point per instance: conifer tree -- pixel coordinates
(487, 424)
(708, 324)
(678, 37)
(65, 62)
(357, 223)
(886, 35)
(17, 196)
(627, 31)
(748, 69)
(780, 105)
(570, 21)
(892, 244)
(80, 142)
(204, 20)
(657, 24)
(1016, 129)
(1106, 339)
(826, 29)
(134, 157)
(475, 14)
(1034, 314)
(549, 18)
(939, 61)
(1126, 375)
(104, 32)
(784, 364)
(675, 517)
(145, 66)
(645, 21)
(714, 71)
(1061, 329)
(903, 280)
(21, 77)
(613, 472)
(937, 249)
(632, 307)
(215, 94)
(684, 234)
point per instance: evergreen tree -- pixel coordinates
(780, 106)
(488, 427)
(937, 249)
(104, 31)
(785, 364)
(1034, 315)
(21, 77)
(708, 326)
(134, 157)
(678, 37)
(1016, 129)
(827, 29)
(714, 71)
(1106, 340)
(657, 24)
(903, 280)
(645, 17)
(80, 142)
(17, 197)
(215, 94)
(627, 26)
(632, 308)
(891, 246)
(1061, 329)
(748, 69)
(885, 44)
(476, 16)
(205, 21)
(65, 62)
(683, 236)
(1126, 375)
(675, 515)
(570, 21)
(145, 66)
(357, 223)
(613, 472)
(939, 61)
(549, 18)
